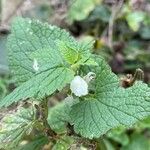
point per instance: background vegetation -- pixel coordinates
(121, 30)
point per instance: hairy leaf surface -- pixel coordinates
(40, 59)
(30, 36)
(14, 126)
(42, 85)
(111, 104)
(31, 39)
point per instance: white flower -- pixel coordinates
(79, 86)
(35, 65)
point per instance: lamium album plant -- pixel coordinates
(47, 61)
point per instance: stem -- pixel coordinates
(42, 111)
(115, 11)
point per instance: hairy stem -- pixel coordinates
(42, 112)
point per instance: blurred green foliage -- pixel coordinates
(79, 10)
(6, 85)
(131, 50)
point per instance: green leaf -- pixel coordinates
(76, 53)
(58, 116)
(119, 135)
(3, 87)
(64, 143)
(40, 59)
(134, 19)
(31, 36)
(101, 13)
(111, 105)
(145, 32)
(142, 125)
(108, 145)
(15, 125)
(42, 85)
(36, 144)
(31, 39)
(69, 54)
(138, 142)
(80, 9)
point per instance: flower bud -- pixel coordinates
(79, 86)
